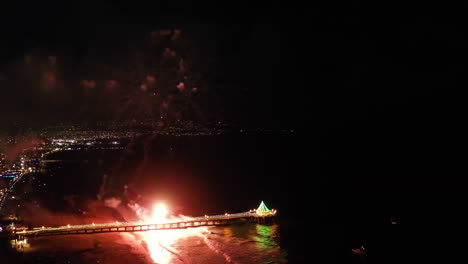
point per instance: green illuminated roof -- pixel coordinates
(262, 208)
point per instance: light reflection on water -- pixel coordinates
(244, 244)
(160, 243)
(264, 236)
(248, 243)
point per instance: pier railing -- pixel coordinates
(188, 222)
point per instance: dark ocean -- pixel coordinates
(320, 219)
(194, 175)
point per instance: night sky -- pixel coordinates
(236, 50)
(375, 92)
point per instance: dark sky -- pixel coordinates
(237, 50)
(270, 62)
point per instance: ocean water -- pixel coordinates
(193, 175)
(247, 243)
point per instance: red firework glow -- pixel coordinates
(159, 213)
(160, 242)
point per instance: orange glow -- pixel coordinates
(150, 79)
(160, 213)
(160, 242)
